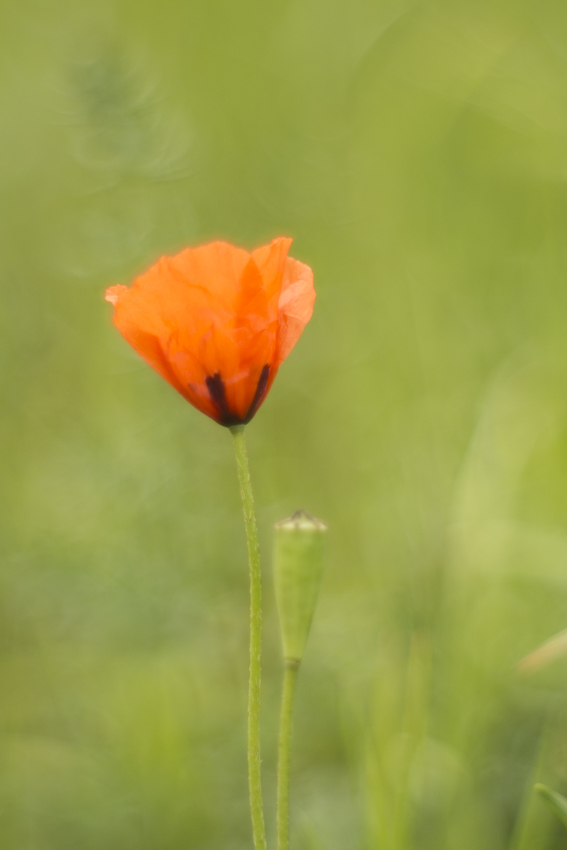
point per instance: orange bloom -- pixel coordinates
(217, 322)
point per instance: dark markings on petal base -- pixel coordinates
(259, 394)
(215, 386)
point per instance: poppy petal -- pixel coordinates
(216, 322)
(295, 306)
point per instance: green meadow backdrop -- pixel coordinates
(417, 154)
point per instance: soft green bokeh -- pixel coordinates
(417, 153)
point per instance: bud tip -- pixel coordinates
(302, 520)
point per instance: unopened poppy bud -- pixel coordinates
(298, 565)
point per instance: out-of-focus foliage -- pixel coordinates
(417, 153)
(556, 802)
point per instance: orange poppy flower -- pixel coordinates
(217, 322)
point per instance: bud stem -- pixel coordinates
(284, 750)
(254, 760)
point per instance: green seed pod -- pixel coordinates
(298, 564)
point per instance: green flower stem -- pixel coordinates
(288, 694)
(254, 760)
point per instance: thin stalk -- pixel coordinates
(533, 825)
(254, 760)
(288, 694)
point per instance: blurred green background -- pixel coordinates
(417, 153)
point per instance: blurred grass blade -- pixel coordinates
(556, 801)
(551, 650)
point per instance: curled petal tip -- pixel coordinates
(113, 293)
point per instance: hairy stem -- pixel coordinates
(288, 694)
(254, 760)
